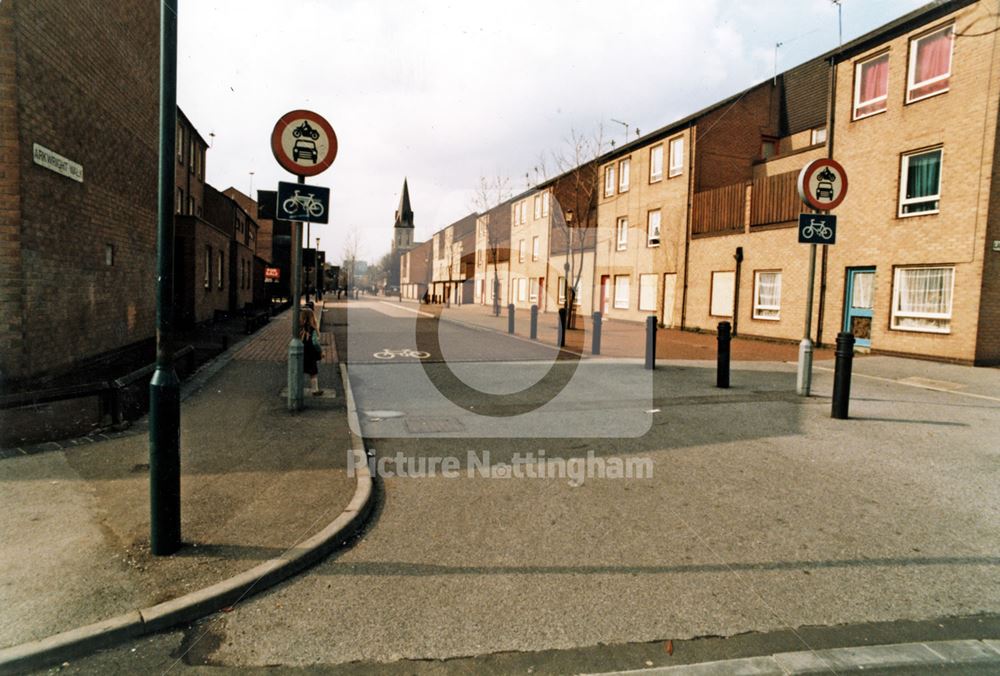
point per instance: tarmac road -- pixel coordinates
(762, 513)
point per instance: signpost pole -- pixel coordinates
(295, 349)
(803, 379)
(164, 388)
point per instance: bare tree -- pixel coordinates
(575, 218)
(491, 193)
(352, 245)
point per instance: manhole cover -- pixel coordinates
(433, 425)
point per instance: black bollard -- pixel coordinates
(596, 346)
(534, 322)
(510, 318)
(842, 375)
(650, 343)
(725, 337)
(561, 329)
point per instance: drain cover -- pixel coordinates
(433, 425)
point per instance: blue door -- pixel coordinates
(859, 303)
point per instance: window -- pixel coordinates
(545, 204)
(622, 234)
(920, 183)
(621, 292)
(208, 267)
(656, 163)
(767, 295)
(609, 180)
(871, 86)
(191, 153)
(768, 147)
(723, 284)
(201, 161)
(930, 64)
(624, 174)
(677, 156)
(180, 143)
(921, 299)
(522, 289)
(218, 273)
(179, 204)
(533, 295)
(190, 205)
(520, 251)
(522, 208)
(109, 254)
(538, 206)
(653, 228)
(535, 247)
(818, 136)
(647, 292)
(562, 290)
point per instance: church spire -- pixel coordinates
(404, 214)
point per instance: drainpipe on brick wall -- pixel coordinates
(738, 257)
(692, 133)
(830, 119)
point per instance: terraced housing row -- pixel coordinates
(696, 222)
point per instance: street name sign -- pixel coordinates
(304, 143)
(50, 159)
(817, 229)
(822, 184)
(301, 202)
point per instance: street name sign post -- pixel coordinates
(305, 144)
(822, 186)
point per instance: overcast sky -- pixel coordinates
(446, 92)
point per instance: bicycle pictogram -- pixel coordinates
(386, 353)
(307, 203)
(817, 228)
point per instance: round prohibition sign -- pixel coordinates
(822, 184)
(304, 143)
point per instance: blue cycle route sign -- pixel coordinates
(301, 202)
(817, 229)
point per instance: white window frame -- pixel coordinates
(656, 163)
(650, 305)
(537, 206)
(858, 103)
(561, 291)
(533, 290)
(903, 200)
(545, 204)
(676, 157)
(522, 289)
(621, 234)
(620, 302)
(649, 228)
(760, 310)
(535, 247)
(609, 180)
(728, 301)
(930, 316)
(624, 174)
(911, 72)
(520, 251)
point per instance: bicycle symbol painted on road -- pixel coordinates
(307, 203)
(386, 353)
(817, 228)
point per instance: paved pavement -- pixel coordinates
(255, 481)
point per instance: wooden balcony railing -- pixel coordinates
(719, 210)
(775, 199)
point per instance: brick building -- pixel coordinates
(78, 181)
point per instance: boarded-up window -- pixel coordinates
(723, 284)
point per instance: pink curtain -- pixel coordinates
(875, 79)
(934, 56)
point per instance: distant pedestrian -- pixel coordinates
(312, 351)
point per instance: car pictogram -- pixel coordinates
(304, 148)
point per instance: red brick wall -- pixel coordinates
(86, 87)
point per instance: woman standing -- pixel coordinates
(312, 352)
